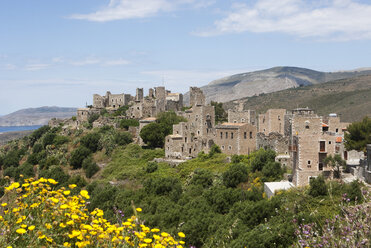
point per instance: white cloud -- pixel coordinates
(36, 67)
(116, 62)
(323, 20)
(132, 9)
(87, 61)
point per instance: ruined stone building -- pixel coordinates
(158, 100)
(272, 121)
(199, 133)
(111, 100)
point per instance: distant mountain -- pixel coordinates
(270, 80)
(350, 98)
(36, 116)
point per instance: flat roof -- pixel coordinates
(149, 119)
(273, 186)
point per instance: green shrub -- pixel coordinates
(151, 167)
(36, 135)
(37, 148)
(153, 135)
(317, 186)
(48, 139)
(214, 150)
(236, 174)
(90, 167)
(74, 118)
(49, 161)
(57, 173)
(33, 159)
(202, 177)
(91, 141)
(11, 159)
(129, 123)
(354, 192)
(93, 118)
(60, 140)
(78, 156)
(124, 138)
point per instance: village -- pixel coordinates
(300, 138)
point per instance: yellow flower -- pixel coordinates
(181, 234)
(4, 204)
(139, 209)
(21, 231)
(31, 228)
(66, 192)
(72, 186)
(148, 241)
(66, 244)
(84, 194)
(155, 230)
(52, 181)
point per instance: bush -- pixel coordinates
(11, 159)
(214, 149)
(124, 138)
(354, 192)
(49, 139)
(151, 167)
(91, 141)
(261, 158)
(37, 148)
(93, 118)
(78, 156)
(57, 173)
(60, 140)
(129, 123)
(202, 177)
(236, 174)
(90, 167)
(163, 186)
(317, 186)
(272, 171)
(37, 134)
(153, 135)
(49, 161)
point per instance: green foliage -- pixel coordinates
(202, 177)
(272, 171)
(25, 169)
(91, 141)
(37, 148)
(220, 114)
(49, 161)
(126, 123)
(78, 155)
(57, 173)
(163, 186)
(90, 167)
(92, 118)
(214, 150)
(236, 174)
(123, 138)
(317, 186)
(153, 135)
(121, 111)
(74, 118)
(151, 167)
(11, 159)
(353, 192)
(48, 139)
(261, 158)
(36, 135)
(60, 140)
(358, 135)
(335, 162)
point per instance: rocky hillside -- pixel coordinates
(35, 116)
(350, 98)
(270, 80)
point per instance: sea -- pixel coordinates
(4, 129)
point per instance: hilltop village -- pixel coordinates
(301, 138)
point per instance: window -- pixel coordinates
(306, 126)
(336, 130)
(231, 135)
(229, 147)
(244, 135)
(226, 135)
(308, 161)
(243, 120)
(221, 135)
(222, 147)
(329, 142)
(279, 118)
(250, 135)
(185, 139)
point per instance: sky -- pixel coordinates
(59, 53)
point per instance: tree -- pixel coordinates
(48, 139)
(78, 156)
(168, 119)
(335, 162)
(272, 171)
(124, 138)
(220, 114)
(236, 174)
(358, 135)
(91, 141)
(126, 123)
(202, 177)
(153, 135)
(90, 167)
(261, 158)
(317, 186)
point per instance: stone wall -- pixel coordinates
(272, 121)
(246, 116)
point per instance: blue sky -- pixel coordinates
(58, 53)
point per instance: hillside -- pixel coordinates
(269, 80)
(35, 116)
(350, 98)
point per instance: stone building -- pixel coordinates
(242, 116)
(310, 143)
(83, 114)
(111, 100)
(272, 121)
(197, 97)
(235, 138)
